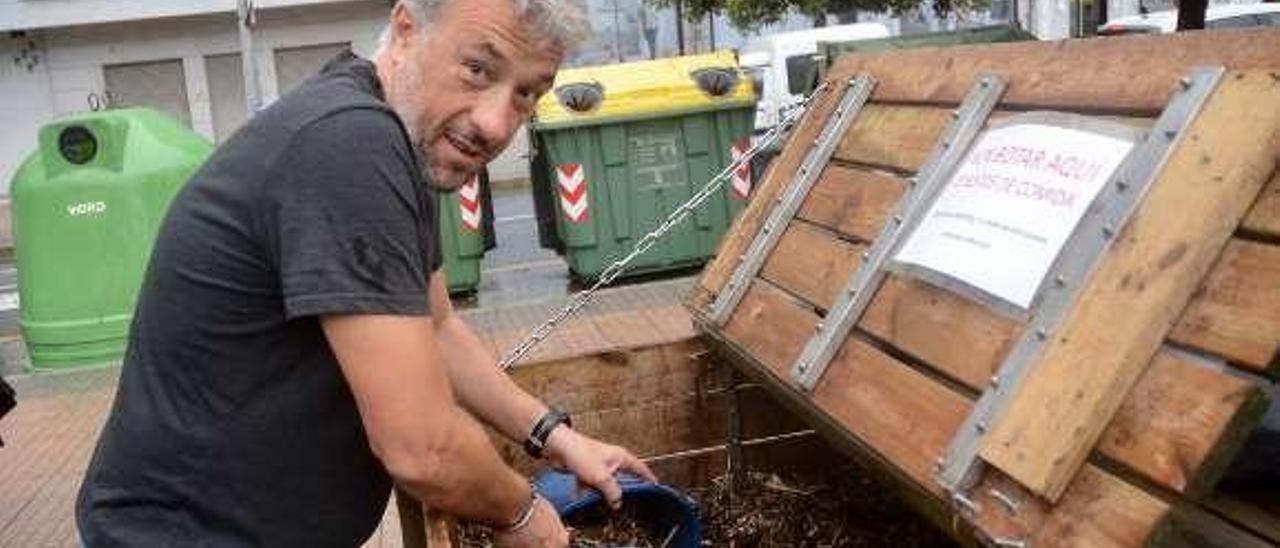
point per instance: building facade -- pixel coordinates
(181, 57)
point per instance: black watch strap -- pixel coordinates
(537, 440)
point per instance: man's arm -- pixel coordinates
(428, 444)
(489, 394)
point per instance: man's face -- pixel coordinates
(466, 85)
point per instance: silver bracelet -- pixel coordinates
(526, 515)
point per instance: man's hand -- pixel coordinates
(594, 462)
(544, 530)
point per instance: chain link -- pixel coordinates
(582, 298)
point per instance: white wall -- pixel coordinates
(23, 85)
(41, 14)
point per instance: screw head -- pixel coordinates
(1184, 82)
(981, 427)
(1108, 231)
(995, 381)
(1170, 134)
(1042, 334)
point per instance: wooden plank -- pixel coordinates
(894, 136)
(794, 264)
(623, 378)
(1264, 219)
(1126, 308)
(1177, 427)
(904, 415)
(1124, 73)
(1236, 312)
(931, 323)
(1182, 423)
(779, 175)
(907, 419)
(1133, 518)
(852, 201)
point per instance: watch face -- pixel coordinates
(77, 145)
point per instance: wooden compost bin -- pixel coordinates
(1142, 393)
(632, 370)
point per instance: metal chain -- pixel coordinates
(582, 298)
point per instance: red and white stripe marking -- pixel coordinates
(740, 181)
(469, 203)
(573, 192)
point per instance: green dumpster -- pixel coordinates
(460, 218)
(86, 207)
(621, 146)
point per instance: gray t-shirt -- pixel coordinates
(233, 424)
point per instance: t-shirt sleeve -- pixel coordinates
(346, 213)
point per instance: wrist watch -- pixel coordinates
(537, 440)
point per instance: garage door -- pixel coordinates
(226, 94)
(161, 85)
(295, 65)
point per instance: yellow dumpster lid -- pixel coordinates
(645, 88)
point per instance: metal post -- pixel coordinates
(246, 17)
(680, 26)
(735, 432)
(733, 465)
(711, 26)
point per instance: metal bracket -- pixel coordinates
(947, 152)
(788, 203)
(959, 468)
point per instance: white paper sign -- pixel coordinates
(1004, 216)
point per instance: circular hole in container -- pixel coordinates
(716, 81)
(77, 145)
(580, 96)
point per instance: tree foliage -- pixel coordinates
(752, 14)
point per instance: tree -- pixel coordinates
(752, 14)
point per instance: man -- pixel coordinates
(294, 350)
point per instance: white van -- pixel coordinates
(783, 66)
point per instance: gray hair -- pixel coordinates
(564, 22)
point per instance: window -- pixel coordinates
(756, 74)
(161, 85)
(802, 74)
(295, 65)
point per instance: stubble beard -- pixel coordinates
(411, 115)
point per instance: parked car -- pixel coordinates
(1216, 17)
